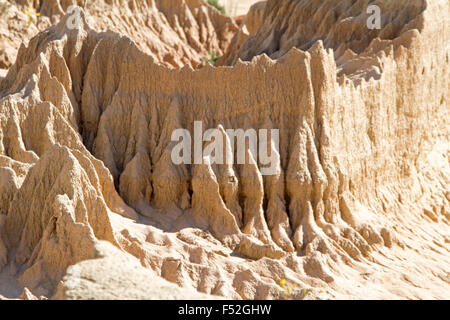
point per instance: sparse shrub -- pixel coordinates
(216, 4)
(213, 58)
(32, 15)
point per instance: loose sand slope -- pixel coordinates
(358, 207)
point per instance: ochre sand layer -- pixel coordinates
(359, 207)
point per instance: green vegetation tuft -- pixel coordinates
(215, 4)
(213, 58)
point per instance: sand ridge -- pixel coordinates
(359, 204)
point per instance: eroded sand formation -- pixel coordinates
(174, 32)
(359, 207)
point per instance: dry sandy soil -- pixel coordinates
(92, 205)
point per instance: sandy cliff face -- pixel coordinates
(359, 202)
(174, 33)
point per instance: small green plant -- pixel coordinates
(288, 289)
(213, 58)
(216, 4)
(32, 15)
